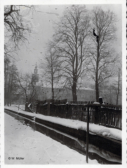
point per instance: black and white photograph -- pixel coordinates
(63, 84)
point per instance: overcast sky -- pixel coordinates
(43, 20)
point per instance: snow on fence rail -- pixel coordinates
(100, 130)
(107, 115)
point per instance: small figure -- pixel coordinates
(97, 37)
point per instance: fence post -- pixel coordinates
(87, 135)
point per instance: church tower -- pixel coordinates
(35, 70)
(35, 76)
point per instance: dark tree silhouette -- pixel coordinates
(101, 53)
(71, 38)
(16, 26)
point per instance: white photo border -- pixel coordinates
(63, 2)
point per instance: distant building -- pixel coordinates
(65, 93)
(43, 92)
(83, 94)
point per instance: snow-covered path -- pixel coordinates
(35, 148)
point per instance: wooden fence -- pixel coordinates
(107, 115)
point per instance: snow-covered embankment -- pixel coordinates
(110, 133)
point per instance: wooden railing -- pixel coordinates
(107, 115)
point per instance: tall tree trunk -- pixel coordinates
(110, 95)
(74, 91)
(117, 97)
(52, 92)
(52, 85)
(118, 88)
(6, 82)
(96, 80)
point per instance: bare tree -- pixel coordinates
(11, 84)
(101, 52)
(16, 26)
(117, 85)
(52, 67)
(71, 36)
(28, 88)
(16, 29)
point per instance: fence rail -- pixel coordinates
(107, 115)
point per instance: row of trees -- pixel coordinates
(17, 29)
(18, 87)
(10, 81)
(77, 50)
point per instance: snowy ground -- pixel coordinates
(35, 148)
(76, 124)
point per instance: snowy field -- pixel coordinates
(111, 133)
(31, 147)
